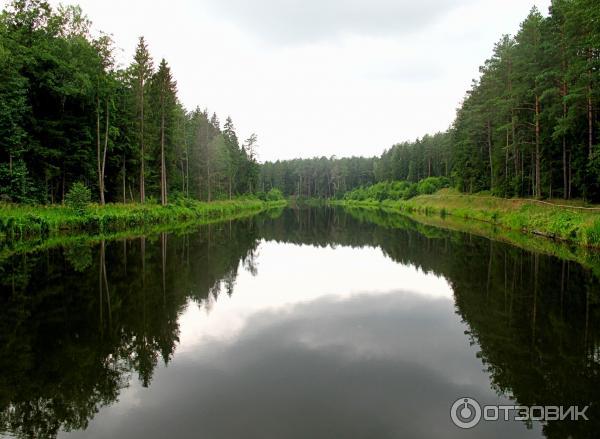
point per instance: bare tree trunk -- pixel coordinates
(489, 141)
(506, 171)
(101, 157)
(515, 148)
(142, 153)
(570, 175)
(187, 171)
(98, 163)
(512, 122)
(564, 137)
(565, 177)
(163, 175)
(590, 118)
(538, 187)
(106, 129)
(124, 179)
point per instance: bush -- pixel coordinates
(397, 190)
(78, 198)
(274, 195)
(410, 192)
(431, 185)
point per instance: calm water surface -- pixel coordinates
(310, 323)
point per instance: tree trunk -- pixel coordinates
(142, 160)
(566, 190)
(538, 187)
(489, 141)
(101, 157)
(124, 179)
(106, 130)
(570, 176)
(564, 159)
(98, 161)
(506, 171)
(208, 183)
(590, 118)
(187, 172)
(163, 175)
(564, 146)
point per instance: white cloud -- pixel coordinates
(352, 81)
(294, 21)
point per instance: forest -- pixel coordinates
(69, 114)
(528, 126)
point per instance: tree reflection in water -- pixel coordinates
(76, 323)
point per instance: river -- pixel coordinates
(301, 323)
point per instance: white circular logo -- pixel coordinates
(465, 413)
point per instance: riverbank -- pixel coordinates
(564, 222)
(19, 222)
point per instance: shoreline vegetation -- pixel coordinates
(434, 226)
(569, 223)
(22, 223)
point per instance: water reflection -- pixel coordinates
(317, 323)
(370, 366)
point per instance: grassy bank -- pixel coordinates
(570, 223)
(19, 222)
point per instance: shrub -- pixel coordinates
(431, 185)
(78, 198)
(592, 234)
(397, 190)
(410, 192)
(274, 195)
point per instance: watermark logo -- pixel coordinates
(467, 413)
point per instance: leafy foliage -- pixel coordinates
(397, 190)
(528, 126)
(68, 114)
(79, 197)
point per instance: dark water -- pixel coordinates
(313, 324)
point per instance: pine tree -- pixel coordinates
(141, 72)
(164, 100)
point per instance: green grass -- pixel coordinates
(569, 222)
(18, 222)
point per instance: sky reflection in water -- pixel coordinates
(320, 342)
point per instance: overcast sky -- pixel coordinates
(318, 77)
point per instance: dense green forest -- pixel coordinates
(527, 127)
(69, 114)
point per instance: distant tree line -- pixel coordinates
(528, 126)
(69, 114)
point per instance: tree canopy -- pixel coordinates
(528, 126)
(68, 114)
